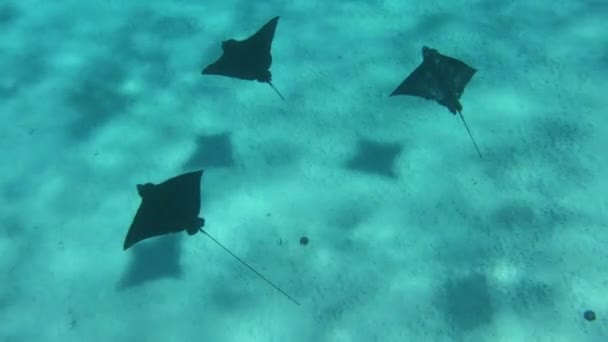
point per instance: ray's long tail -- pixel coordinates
(470, 135)
(249, 267)
(275, 89)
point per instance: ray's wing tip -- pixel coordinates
(128, 239)
(395, 92)
(273, 22)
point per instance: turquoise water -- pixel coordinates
(412, 237)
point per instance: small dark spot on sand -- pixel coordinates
(589, 315)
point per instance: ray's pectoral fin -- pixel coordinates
(452, 104)
(248, 59)
(195, 226)
(264, 76)
(166, 208)
(144, 189)
(441, 78)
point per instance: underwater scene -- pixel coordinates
(303, 171)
